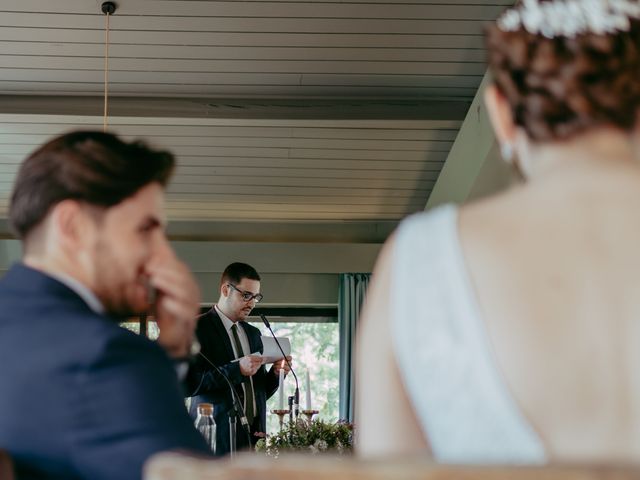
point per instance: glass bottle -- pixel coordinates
(206, 425)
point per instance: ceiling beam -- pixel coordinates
(229, 108)
(472, 148)
(363, 232)
(300, 232)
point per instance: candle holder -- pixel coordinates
(281, 413)
(309, 414)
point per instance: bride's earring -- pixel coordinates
(508, 155)
(506, 150)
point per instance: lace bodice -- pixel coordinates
(444, 354)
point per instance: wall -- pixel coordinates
(301, 274)
(494, 176)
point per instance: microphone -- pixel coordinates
(296, 403)
(234, 395)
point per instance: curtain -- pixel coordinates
(353, 287)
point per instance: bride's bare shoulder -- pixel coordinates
(489, 215)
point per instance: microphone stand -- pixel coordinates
(296, 398)
(235, 411)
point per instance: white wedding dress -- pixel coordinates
(441, 345)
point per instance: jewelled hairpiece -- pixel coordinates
(568, 18)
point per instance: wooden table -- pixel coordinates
(257, 467)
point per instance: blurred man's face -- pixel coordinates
(231, 301)
(128, 236)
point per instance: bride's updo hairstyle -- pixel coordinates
(566, 66)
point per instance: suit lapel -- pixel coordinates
(254, 344)
(221, 332)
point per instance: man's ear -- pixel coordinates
(70, 223)
(224, 290)
(500, 115)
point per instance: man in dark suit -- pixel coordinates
(83, 398)
(227, 341)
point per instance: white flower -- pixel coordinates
(321, 445)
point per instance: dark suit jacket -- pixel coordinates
(206, 385)
(81, 397)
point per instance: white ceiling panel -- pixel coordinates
(270, 169)
(277, 48)
(217, 76)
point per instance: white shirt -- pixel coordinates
(244, 341)
(81, 290)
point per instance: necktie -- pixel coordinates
(248, 388)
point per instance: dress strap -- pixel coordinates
(444, 354)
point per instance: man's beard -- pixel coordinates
(116, 293)
(117, 302)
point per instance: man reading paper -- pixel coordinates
(228, 341)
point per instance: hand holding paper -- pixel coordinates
(282, 366)
(250, 364)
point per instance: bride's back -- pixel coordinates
(553, 264)
(555, 269)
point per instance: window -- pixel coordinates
(315, 346)
(132, 325)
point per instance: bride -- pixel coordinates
(508, 330)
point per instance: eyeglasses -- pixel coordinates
(247, 296)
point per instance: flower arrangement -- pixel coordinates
(312, 437)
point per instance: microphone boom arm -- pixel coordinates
(296, 404)
(234, 396)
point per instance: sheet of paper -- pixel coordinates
(271, 352)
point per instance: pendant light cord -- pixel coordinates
(106, 73)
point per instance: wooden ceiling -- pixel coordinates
(327, 120)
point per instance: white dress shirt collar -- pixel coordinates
(81, 290)
(226, 321)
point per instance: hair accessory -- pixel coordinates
(568, 18)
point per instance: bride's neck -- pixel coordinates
(602, 148)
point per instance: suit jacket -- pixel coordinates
(81, 397)
(206, 385)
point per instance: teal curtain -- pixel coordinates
(353, 287)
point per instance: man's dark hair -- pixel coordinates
(93, 167)
(235, 272)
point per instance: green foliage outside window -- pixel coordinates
(316, 347)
